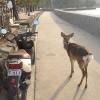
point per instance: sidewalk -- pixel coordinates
(24, 16)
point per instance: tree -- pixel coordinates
(15, 13)
(30, 5)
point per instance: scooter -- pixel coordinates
(25, 42)
(18, 68)
(16, 74)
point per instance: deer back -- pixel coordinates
(75, 51)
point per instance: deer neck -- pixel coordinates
(66, 44)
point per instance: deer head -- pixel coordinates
(67, 37)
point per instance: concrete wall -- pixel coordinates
(98, 3)
(73, 3)
(88, 23)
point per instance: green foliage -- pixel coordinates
(23, 2)
(45, 3)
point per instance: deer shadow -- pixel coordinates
(58, 90)
(77, 92)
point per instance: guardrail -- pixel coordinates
(89, 23)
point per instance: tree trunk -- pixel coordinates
(15, 13)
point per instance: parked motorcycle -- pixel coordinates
(25, 42)
(15, 74)
(18, 67)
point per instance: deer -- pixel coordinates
(77, 53)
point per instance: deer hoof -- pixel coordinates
(73, 71)
(78, 85)
(70, 76)
(85, 86)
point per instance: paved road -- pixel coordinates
(53, 67)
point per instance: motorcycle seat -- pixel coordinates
(19, 54)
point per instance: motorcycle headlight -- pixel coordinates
(3, 31)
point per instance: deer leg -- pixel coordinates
(83, 73)
(86, 78)
(72, 67)
(86, 75)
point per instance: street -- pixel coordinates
(53, 66)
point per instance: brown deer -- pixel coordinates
(78, 53)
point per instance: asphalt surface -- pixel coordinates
(53, 66)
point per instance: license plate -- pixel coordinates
(14, 72)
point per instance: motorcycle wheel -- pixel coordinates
(10, 97)
(21, 95)
(24, 94)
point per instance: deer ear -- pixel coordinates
(72, 34)
(62, 34)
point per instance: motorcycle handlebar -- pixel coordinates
(27, 34)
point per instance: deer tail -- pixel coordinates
(88, 58)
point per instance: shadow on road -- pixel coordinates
(77, 92)
(59, 89)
